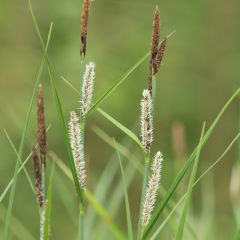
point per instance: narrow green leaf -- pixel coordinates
(20, 152)
(186, 207)
(49, 204)
(237, 236)
(59, 110)
(188, 164)
(121, 127)
(128, 212)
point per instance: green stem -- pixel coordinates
(144, 186)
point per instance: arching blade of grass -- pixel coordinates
(123, 150)
(91, 199)
(49, 204)
(186, 207)
(20, 152)
(122, 79)
(121, 127)
(156, 233)
(17, 228)
(189, 162)
(59, 110)
(128, 212)
(21, 167)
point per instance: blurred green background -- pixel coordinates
(199, 73)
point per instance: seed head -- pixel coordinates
(84, 26)
(151, 192)
(42, 137)
(38, 176)
(159, 57)
(87, 88)
(155, 34)
(146, 120)
(77, 148)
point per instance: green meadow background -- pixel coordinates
(200, 71)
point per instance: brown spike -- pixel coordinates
(160, 53)
(42, 137)
(84, 26)
(38, 176)
(150, 65)
(155, 34)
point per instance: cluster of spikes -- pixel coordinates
(74, 126)
(157, 51)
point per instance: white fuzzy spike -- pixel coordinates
(151, 192)
(87, 88)
(146, 120)
(77, 148)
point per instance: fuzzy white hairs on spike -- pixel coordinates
(77, 148)
(87, 88)
(146, 120)
(151, 192)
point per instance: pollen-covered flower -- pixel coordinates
(151, 192)
(77, 148)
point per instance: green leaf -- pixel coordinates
(128, 212)
(49, 204)
(59, 111)
(20, 152)
(180, 230)
(121, 127)
(188, 164)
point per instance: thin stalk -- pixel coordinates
(144, 186)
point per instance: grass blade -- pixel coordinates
(128, 213)
(20, 152)
(180, 230)
(189, 162)
(121, 127)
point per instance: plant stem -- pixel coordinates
(144, 186)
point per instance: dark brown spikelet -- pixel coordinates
(38, 176)
(150, 65)
(159, 57)
(155, 34)
(42, 137)
(154, 46)
(84, 26)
